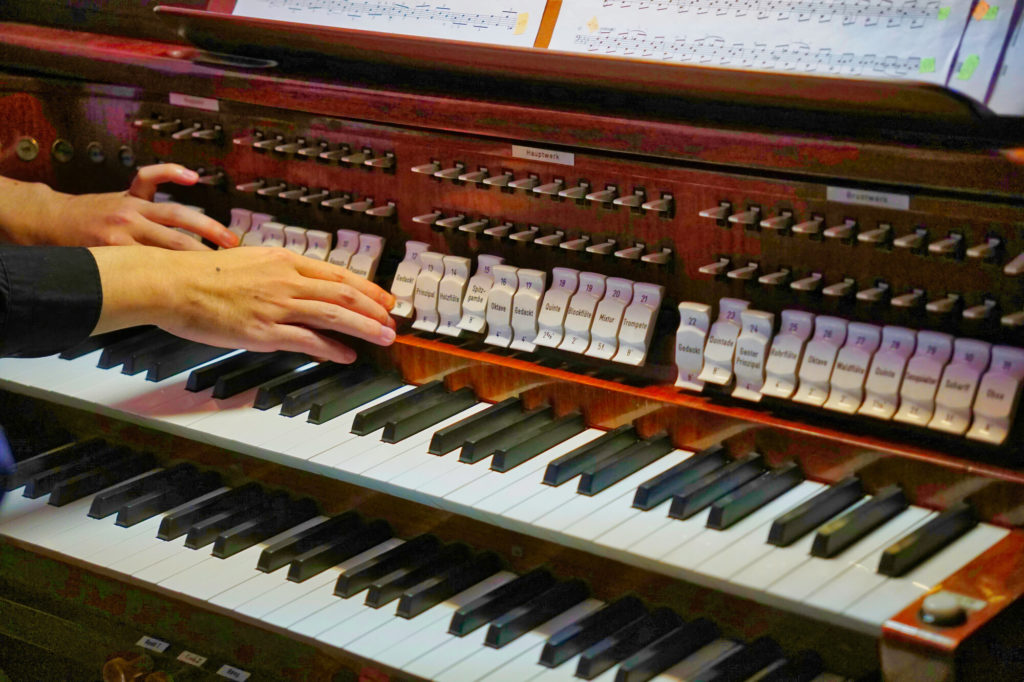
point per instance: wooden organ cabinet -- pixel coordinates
(746, 348)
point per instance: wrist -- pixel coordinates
(139, 287)
(30, 212)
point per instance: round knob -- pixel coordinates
(127, 668)
(943, 609)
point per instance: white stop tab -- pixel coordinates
(525, 306)
(694, 322)
(959, 383)
(272, 234)
(721, 345)
(348, 244)
(580, 313)
(474, 305)
(921, 380)
(882, 387)
(852, 363)
(365, 261)
(638, 323)
(319, 244)
(819, 360)
(751, 353)
(604, 330)
(450, 294)
(998, 396)
(499, 305)
(550, 329)
(425, 299)
(403, 286)
(786, 352)
(241, 221)
(295, 239)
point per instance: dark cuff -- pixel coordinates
(50, 298)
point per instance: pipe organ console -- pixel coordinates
(688, 385)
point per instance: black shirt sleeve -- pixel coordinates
(50, 298)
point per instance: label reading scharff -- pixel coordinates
(863, 197)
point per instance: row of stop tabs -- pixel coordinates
(926, 378)
(609, 318)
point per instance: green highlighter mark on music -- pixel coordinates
(968, 68)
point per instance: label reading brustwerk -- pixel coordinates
(863, 197)
(546, 155)
(153, 644)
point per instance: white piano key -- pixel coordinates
(133, 556)
(432, 660)
(431, 625)
(338, 610)
(668, 533)
(703, 550)
(46, 521)
(147, 529)
(517, 660)
(545, 499)
(886, 596)
(366, 619)
(833, 592)
(457, 477)
(616, 496)
(194, 407)
(50, 372)
(16, 507)
(175, 563)
(687, 669)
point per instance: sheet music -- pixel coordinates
(1007, 98)
(911, 39)
(981, 48)
(509, 22)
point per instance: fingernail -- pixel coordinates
(187, 174)
(230, 239)
(387, 336)
(389, 302)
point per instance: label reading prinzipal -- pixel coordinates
(863, 197)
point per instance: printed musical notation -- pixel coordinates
(911, 39)
(514, 23)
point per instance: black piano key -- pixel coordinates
(498, 601)
(626, 642)
(476, 449)
(575, 462)
(744, 662)
(326, 409)
(739, 504)
(183, 358)
(26, 469)
(44, 482)
(373, 418)
(840, 533)
(802, 519)
(541, 439)
(94, 343)
(429, 413)
(360, 577)
(433, 591)
(921, 544)
(206, 376)
(205, 531)
(272, 393)
(624, 463)
(704, 492)
(109, 501)
(255, 374)
(285, 550)
(324, 390)
(275, 520)
(333, 551)
(666, 651)
(805, 666)
(588, 631)
(177, 523)
(391, 586)
(141, 360)
(156, 502)
(101, 477)
(116, 353)
(513, 624)
(494, 418)
(650, 494)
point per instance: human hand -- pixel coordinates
(43, 216)
(256, 298)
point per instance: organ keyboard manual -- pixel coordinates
(709, 359)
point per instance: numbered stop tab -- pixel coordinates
(998, 396)
(882, 388)
(525, 306)
(551, 321)
(348, 244)
(850, 372)
(604, 332)
(721, 345)
(403, 286)
(450, 293)
(474, 306)
(819, 360)
(694, 322)
(580, 313)
(365, 261)
(751, 353)
(959, 383)
(921, 380)
(786, 353)
(638, 323)
(499, 305)
(425, 298)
